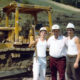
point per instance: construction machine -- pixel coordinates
(15, 55)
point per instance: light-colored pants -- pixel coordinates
(39, 68)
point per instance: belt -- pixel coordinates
(58, 57)
(72, 56)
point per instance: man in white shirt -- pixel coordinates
(57, 51)
(73, 54)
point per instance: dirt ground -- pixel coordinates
(48, 77)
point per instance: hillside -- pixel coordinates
(61, 14)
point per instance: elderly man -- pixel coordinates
(57, 51)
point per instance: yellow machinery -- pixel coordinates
(14, 52)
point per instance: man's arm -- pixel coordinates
(33, 43)
(77, 41)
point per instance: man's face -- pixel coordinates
(56, 32)
(43, 33)
(70, 31)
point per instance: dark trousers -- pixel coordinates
(72, 73)
(58, 64)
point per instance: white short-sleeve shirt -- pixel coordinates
(57, 47)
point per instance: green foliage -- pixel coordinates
(57, 0)
(70, 2)
(5, 2)
(60, 15)
(23, 1)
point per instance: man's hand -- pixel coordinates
(76, 65)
